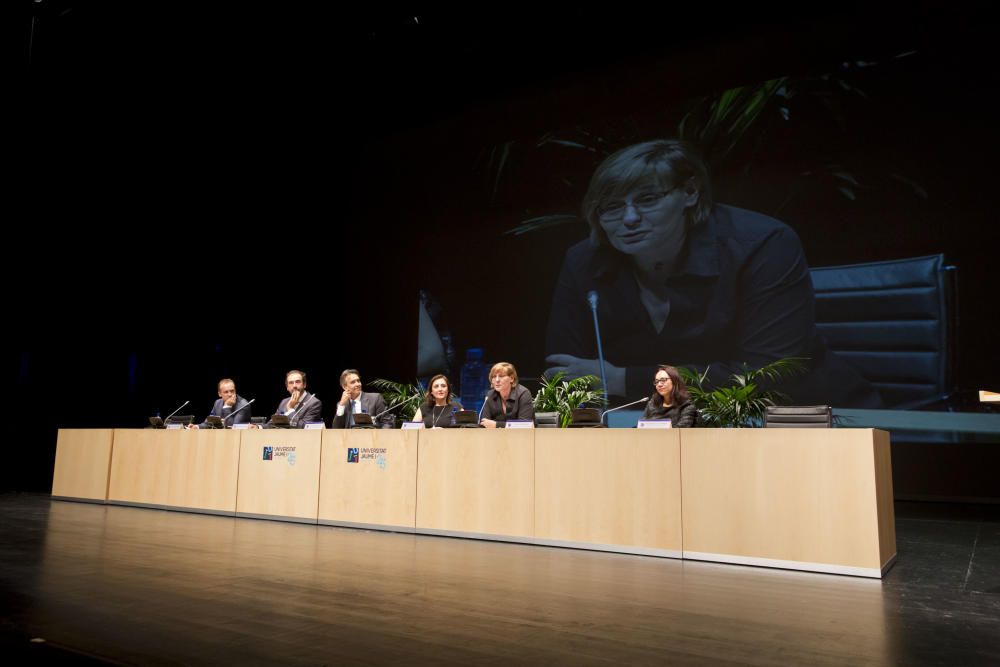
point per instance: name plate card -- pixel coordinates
(654, 423)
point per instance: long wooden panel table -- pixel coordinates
(808, 499)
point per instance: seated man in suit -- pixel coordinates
(300, 406)
(228, 403)
(354, 401)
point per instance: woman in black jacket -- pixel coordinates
(438, 409)
(671, 400)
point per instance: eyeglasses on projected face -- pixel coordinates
(647, 202)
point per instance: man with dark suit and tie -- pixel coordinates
(354, 401)
(300, 407)
(228, 403)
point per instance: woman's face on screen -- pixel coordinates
(647, 220)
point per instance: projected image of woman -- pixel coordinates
(683, 279)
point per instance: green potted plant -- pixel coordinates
(561, 396)
(743, 403)
(397, 392)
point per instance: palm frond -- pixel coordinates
(781, 369)
(743, 403)
(397, 392)
(559, 395)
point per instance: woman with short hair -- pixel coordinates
(507, 400)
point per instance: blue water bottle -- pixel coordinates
(474, 380)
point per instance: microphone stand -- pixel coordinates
(641, 400)
(592, 299)
(393, 407)
(247, 405)
(174, 412)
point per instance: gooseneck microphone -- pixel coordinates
(393, 407)
(641, 400)
(486, 397)
(592, 300)
(245, 405)
(175, 412)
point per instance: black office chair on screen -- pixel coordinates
(798, 416)
(895, 322)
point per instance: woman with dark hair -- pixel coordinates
(438, 409)
(671, 400)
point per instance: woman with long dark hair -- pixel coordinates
(671, 400)
(438, 409)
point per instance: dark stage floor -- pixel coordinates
(133, 586)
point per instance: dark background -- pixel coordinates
(211, 191)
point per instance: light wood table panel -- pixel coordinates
(476, 481)
(812, 499)
(204, 466)
(285, 486)
(611, 488)
(884, 499)
(195, 470)
(83, 463)
(378, 488)
(140, 465)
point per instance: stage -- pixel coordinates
(108, 584)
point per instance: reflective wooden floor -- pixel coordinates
(134, 586)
